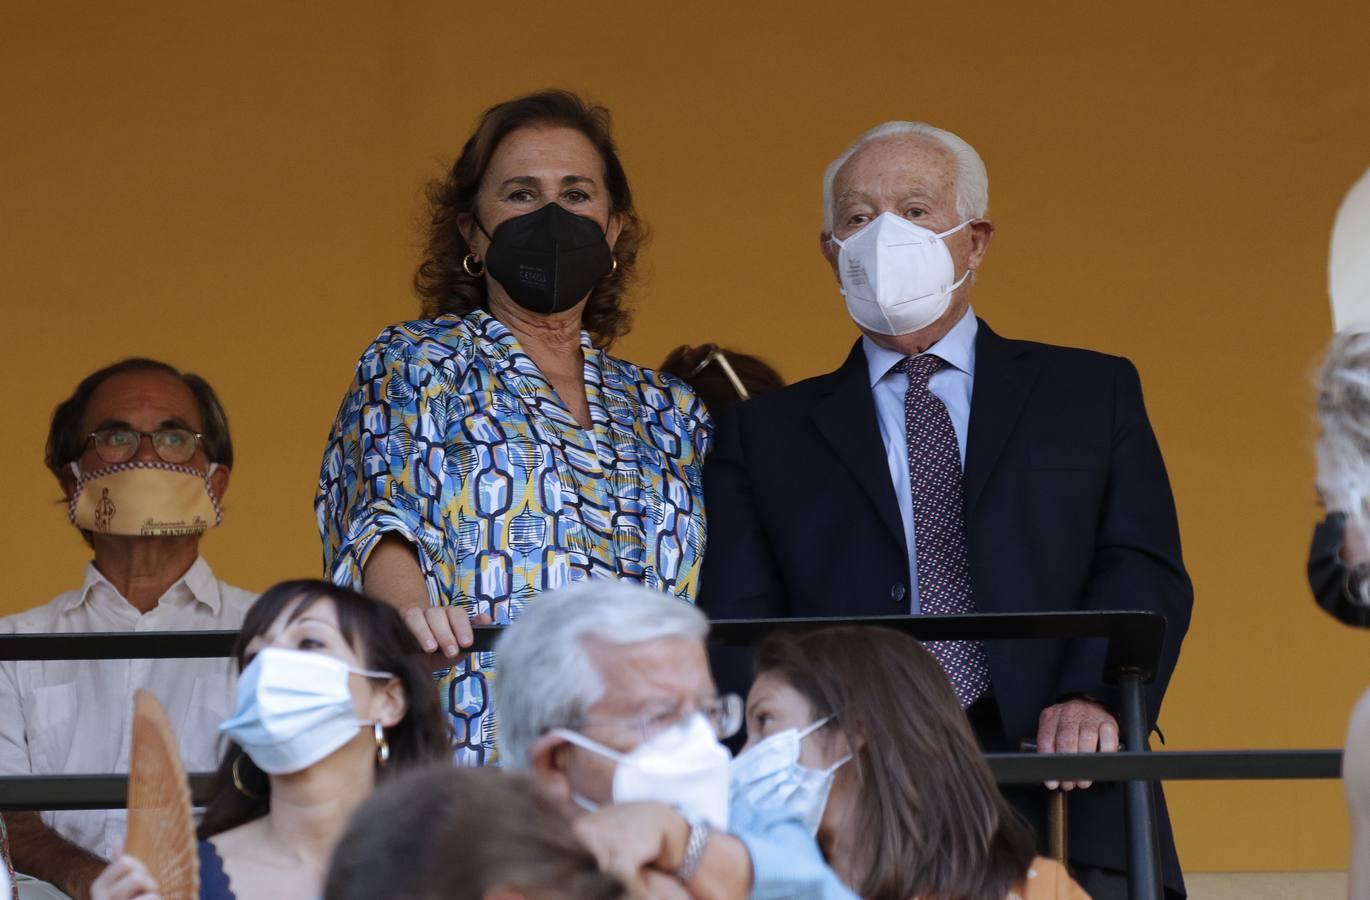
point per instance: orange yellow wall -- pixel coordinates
(236, 188)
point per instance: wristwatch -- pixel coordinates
(694, 851)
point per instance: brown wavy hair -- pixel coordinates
(441, 280)
(934, 822)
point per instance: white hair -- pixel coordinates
(1344, 445)
(545, 678)
(972, 181)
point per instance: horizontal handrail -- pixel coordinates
(1134, 637)
(65, 792)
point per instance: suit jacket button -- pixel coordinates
(897, 592)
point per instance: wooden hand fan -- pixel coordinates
(161, 826)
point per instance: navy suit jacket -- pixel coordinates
(1067, 507)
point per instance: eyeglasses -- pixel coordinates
(119, 445)
(716, 355)
(724, 713)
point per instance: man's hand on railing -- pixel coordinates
(1076, 726)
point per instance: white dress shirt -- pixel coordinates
(70, 717)
(952, 384)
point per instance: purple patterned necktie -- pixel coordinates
(939, 529)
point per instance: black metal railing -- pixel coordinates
(1134, 647)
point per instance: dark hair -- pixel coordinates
(455, 834)
(935, 823)
(443, 282)
(67, 437)
(377, 632)
(694, 366)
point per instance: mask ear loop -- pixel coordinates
(580, 740)
(950, 231)
(814, 726)
(590, 744)
(839, 764)
(810, 729)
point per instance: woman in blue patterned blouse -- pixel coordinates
(494, 450)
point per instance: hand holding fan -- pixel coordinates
(161, 827)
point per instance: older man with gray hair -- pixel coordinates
(944, 469)
(605, 695)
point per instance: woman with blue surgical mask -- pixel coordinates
(857, 733)
(332, 696)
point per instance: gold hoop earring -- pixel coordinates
(472, 260)
(238, 782)
(382, 745)
(614, 267)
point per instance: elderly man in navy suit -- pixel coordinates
(945, 469)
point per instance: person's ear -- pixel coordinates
(614, 229)
(67, 479)
(548, 759)
(840, 742)
(218, 482)
(981, 235)
(389, 705)
(828, 248)
(471, 233)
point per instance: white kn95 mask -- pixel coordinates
(897, 277)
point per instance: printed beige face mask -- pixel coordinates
(144, 499)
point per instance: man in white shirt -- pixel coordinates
(143, 453)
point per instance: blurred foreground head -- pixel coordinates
(464, 834)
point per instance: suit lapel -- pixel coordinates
(1005, 372)
(846, 419)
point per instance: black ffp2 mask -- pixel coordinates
(549, 259)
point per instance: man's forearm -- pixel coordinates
(39, 851)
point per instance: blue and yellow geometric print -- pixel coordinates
(452, 438)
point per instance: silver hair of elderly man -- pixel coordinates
(546, 679)
(972, 181)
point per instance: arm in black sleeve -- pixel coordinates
(1335, 585)
(741, 578)
(1137, 560)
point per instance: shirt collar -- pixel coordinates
(199, 580)
(956, 348)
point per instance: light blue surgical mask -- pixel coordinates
(768, 776)
(294, 709)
